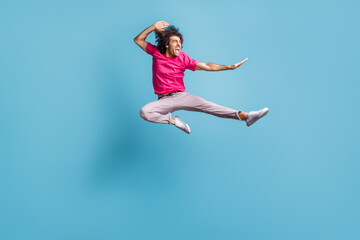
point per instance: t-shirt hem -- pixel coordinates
(173, 90)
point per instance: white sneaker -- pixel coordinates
(256, 115)
(181, 125)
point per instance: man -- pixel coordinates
(169, 65)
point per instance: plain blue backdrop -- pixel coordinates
(78, 162)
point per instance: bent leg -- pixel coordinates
(189, 102)
(158, 111)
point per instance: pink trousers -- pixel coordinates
(160, 111)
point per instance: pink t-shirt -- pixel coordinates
(168, 73)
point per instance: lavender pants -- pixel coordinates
(160, 111)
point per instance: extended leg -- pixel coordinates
(189, 102)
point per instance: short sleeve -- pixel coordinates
(190, 63)
(150, 49)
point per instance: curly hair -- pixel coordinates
(163, 38)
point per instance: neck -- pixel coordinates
(168, 54)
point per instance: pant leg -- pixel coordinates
(158, 111)
(189, 102)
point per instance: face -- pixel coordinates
(174, 47)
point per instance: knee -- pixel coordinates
(144, 113)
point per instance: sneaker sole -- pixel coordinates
(188, 128)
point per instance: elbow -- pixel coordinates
(209, 67)
(137, 40)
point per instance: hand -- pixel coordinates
(235, 66)
(160, 25)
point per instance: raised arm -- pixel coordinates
(140, 39)
(217, 67)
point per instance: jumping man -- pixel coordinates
(169, 65)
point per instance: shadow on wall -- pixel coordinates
(124, 148)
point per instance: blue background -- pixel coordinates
(78, 162)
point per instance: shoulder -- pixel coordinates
(151, 49)
(184, 56)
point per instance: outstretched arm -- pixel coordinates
(217, 67)
(140, 39)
